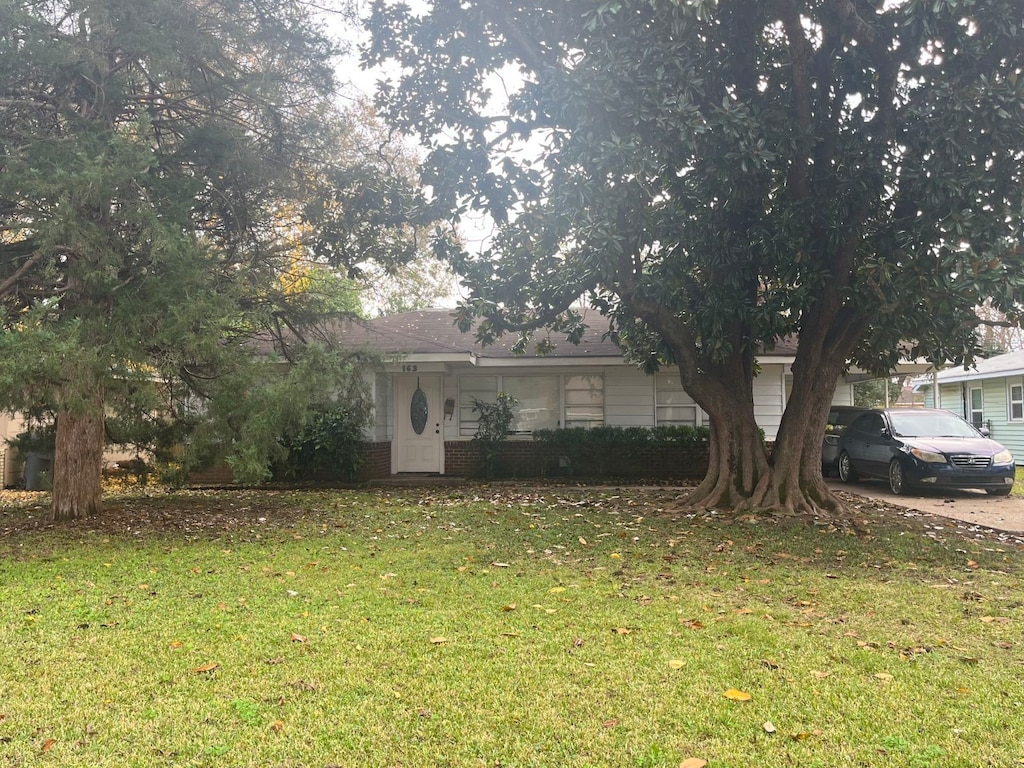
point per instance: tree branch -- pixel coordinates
(800, 56)
(24, 269)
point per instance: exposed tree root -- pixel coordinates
(810, 499)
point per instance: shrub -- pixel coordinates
(330, 442)
(492, 428)
(589, 451)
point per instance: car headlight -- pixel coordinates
(1003, 457)
(928, 457)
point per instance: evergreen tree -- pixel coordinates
(166, 167)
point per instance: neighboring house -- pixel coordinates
(10, 464)
(584, 385)
(991, 394)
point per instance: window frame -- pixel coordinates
(465, 430)
(971, 410)
(660, 407)
(1012, 384)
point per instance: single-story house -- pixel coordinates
(423, 400)
(990, 394)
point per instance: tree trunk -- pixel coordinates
(738, 462)
(742, 475)
(78, 461)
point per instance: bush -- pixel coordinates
(492, 429)
(330, 443)
(589, 451)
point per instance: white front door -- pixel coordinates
(418, 444)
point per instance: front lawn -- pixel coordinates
(500, 626)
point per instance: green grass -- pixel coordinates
(499, 627)
(1018, 486)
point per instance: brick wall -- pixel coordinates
(376, 461)
(526, 459)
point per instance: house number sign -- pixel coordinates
(418, 409)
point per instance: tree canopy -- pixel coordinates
(714, 176)
(177, 190)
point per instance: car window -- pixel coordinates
(867, 423)
(843, 417)
(930, 424)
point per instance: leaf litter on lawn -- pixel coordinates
(709, 593)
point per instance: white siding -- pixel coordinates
(450, 389)
(383, 416)
(843, 395)
(768, 399)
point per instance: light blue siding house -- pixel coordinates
(991, 394)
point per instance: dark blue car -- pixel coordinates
(925, 448)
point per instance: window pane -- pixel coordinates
(976, 399)
(538, 401)
(677, 414)
(483, 388)
(584, 401)
(1016, 402)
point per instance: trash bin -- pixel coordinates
(38, 472)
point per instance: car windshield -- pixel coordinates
(930, 424)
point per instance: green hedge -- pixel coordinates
(581, 451)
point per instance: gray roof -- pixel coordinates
(1010, 364)
(433, 331)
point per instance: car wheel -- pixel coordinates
(846, 471)
(897, 482)
(999, 491)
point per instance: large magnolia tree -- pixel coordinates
(715, 176)
(174, 182)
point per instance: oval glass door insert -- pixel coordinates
(418, 409)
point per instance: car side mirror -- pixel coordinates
(985, 431)
(885, 433)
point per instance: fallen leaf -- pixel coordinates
(622, 631)
(768, 727)
(556, 590)
(819, 675)
(175, 644)
(610, 723)
(509, 607)
(615, 555)
(678, 664)
(277, 726)
(693, 762)
(582, 541)
(737, 695)
(207, 667)
(883, 676)
(439, 640)
(296, 638)
(501, 565)
(48, 745)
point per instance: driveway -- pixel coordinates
(1004, 513)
